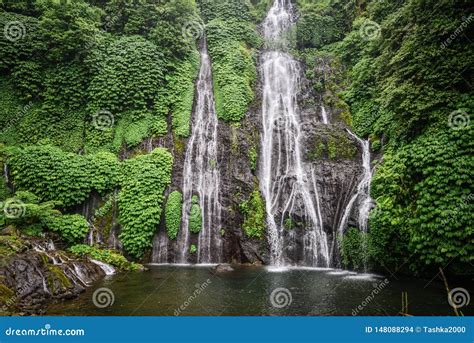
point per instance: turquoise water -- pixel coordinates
(188, 290)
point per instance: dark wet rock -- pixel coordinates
(29, 280)
(222, 268)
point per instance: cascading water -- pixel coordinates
(5, 173)
(201, 174)
(324, 115)
(160, 248)
(107, 268)
(363, 191)
(287, 183)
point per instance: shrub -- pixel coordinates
(173, 213)
(254, 216)
(195, 216)
(145, 179)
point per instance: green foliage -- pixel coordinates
(24, 39)
(317, 26)
(335, 145)
(111, 257)
(376, 145)
(161, 22)
(11, 245)
(406, 80)
(71, 227)
(173, 213)
(354, 249)
(145, 179)
(231, 39)
(400, 77)
(289, 224)
(67, 27)
(53, 174)
(26, 212)
(424, 194)
(195, 216)
(192, 249)
(253, 157)
(254, 216)
(178, 97)
(128, 72)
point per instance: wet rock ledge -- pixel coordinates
(33, 273)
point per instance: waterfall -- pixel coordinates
(363, 191)
(80, 275)
(201, 174)
(324, 115)
(286, 181)
(5, 173)
(107, 268)
(160, 248)
(94, 236)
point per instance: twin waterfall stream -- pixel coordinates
(288, 183)
(201, 174)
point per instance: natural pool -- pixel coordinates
(167, 290)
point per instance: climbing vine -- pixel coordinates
(173, 213)
(254, 216)
(195, 215)
(232, 38)
(53, 174)
(145, 179)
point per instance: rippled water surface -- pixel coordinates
(187, 290)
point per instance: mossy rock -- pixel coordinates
(11, 245)
(57, 280)
(6, 294)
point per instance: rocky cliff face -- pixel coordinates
(38, 273)
(333, 154)
(337, 167)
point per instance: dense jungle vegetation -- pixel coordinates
(84, 83)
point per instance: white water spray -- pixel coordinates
(324, 115)
(287, 183)
(107, 268)
(201, 174)
(363, 191)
